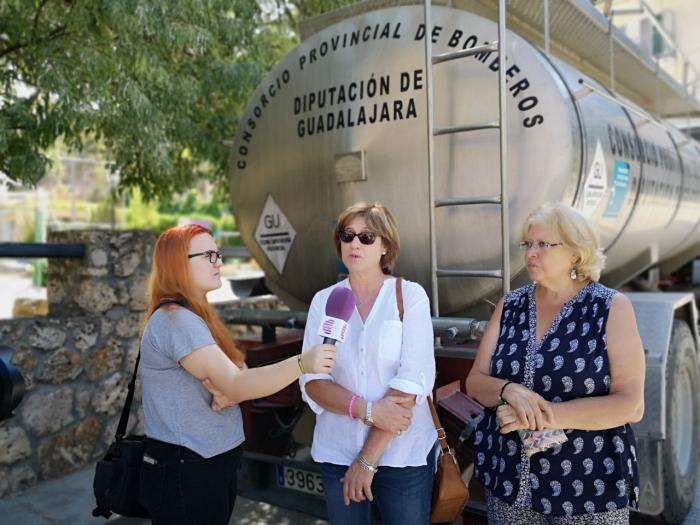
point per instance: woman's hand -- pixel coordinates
(357, 484)
(531, 409)
(508, 420)
(319, 359)
(219, 400)
(392, 413)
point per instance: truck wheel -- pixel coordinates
(681, 449)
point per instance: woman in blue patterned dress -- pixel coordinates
(560, 353)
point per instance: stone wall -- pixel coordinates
(77, 361)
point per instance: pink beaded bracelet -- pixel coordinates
(352, 403)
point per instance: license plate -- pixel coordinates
(299, 479)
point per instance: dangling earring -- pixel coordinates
(383, 253)
(572, 274)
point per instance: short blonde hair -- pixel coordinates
(576, 232)
(380, 222)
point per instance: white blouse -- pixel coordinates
(379, 354)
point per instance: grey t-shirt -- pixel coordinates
(177, 408)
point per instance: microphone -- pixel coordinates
(339, 307)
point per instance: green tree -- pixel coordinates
(159, 84)
(297, 10)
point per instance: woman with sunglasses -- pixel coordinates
(561, 356)
(193, 377)
(374, 435)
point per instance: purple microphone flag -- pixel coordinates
(339, 308)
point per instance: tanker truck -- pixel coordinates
(346, 116)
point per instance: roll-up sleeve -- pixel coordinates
(311, 338)
(416, 372)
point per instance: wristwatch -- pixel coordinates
(367, 420)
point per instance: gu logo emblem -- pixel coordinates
(596, 184)
(274, 234)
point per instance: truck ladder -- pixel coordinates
(500, 199)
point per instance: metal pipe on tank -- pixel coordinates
(503, 147)
(434, 303)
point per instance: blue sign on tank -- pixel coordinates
(621, 181)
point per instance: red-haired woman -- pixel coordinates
(193, 378)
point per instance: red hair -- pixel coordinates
(171, 279)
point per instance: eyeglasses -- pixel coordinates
(213, 255)
(365, 237)
(539, 245)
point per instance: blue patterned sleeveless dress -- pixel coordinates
(592, 472)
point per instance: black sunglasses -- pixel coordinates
(213, 255)
(365, 237)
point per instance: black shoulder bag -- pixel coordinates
(116, 482)
(117, 474)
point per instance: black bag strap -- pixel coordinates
(126, 409)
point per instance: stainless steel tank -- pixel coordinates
(342, 118)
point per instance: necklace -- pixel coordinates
(372, 296)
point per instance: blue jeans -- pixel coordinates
(402, 496)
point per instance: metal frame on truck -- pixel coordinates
(668, 455)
